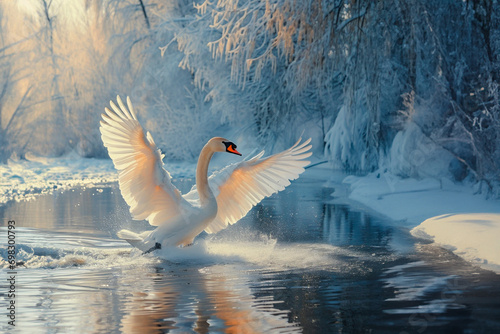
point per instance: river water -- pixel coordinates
(299, 262)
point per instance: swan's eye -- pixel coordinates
(231, 148)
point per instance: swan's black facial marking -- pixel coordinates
(231, 147)
(228, 144)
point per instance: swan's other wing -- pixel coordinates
(145, 185)
(239, 187)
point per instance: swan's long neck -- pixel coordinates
(204, 190)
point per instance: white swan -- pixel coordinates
(211, 205)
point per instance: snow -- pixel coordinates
(415, 155)
(449, 214)
(473, 236)
(24, 179)
(408, 202)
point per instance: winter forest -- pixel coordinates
(405, 86)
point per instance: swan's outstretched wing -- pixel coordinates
(239, 187)
(145, 185)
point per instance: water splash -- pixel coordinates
(39, 257)
(265, 252)
(70, 250)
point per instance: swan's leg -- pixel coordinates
(155, 247)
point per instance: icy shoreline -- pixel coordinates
(450, 215)
(25, 179)
(474, 236)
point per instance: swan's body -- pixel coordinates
(211, 205)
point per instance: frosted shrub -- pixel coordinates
(273, 57)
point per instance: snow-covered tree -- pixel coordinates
(405, 85)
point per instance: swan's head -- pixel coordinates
(219, 144)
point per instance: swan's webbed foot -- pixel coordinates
(155, 247)
(187, 245)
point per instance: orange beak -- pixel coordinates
(231, 149)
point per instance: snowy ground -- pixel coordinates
(473, 236)
(24, 179)
(451, 215)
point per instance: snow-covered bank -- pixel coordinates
(449, 214)
(474, 236)
(408, 202)
(24, 179)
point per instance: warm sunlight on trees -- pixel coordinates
(62, 62)
(369, 81)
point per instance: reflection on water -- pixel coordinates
(296, 263)
(214, 299)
